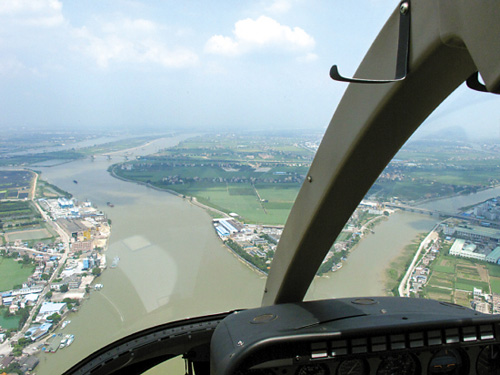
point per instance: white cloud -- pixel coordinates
(279, 6)
(132, 41)
(222, 45)
(264, 32)
(36, 13)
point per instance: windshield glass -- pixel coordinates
(151, 153)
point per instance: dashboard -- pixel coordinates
(357, 336)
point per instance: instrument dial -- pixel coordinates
(313, 369)
(402, 364)
(447, 361)
(488, 361)
(353, 367)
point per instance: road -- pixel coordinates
(28, 250)
(404, 286)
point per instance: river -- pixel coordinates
(453, 204)
(173, 266)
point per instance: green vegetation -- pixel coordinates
(327, 266)
(257, 177)
(13, 273)
(19, 215)
(453, 279)
(34, 159)
(257, 261)
(122, 144)
(493, 270)
(469, 285)
(398, 267)
(17, 350)
(431, 169)
(15, 184)
(45, 189)
(15, 144)
(495, 284)
(54, 318)
(70, 303)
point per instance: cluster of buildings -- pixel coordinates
(43, 323)
(481, 301)
(88, 231)
(256, 240)
(30, 292)
(87, 227)
(260, 241)
(474, 242)
(233, 173)
(284, 177)
(420, 275)
(489, 210)
(27, 363)
(63, 208)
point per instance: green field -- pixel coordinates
(439, 294)
(28, 235)
(441, 279)
(493, 269)
(276, 198)
(243, 200)
(19, 215)
(13, 273)
(255, 175)
(460, 277)
(495, 284)
(469, 285)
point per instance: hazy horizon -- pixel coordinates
(164, 66)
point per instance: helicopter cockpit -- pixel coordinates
(423, 53)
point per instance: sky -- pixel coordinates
(193, 64)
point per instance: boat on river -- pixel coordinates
(115, 262)
(70, 339)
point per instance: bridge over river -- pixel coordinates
(444, 214)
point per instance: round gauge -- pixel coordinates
(402, 364)
(353, 367)
(447, 361)
(488, 361)
(313, 369)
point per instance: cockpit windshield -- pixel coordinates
(151, 153)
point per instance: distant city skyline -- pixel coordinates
(169, 65)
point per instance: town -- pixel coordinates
(255, 244)
(458, 262)
(63, 250)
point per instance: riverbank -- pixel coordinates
(191, 200)
(113, 174)
(451, 196)
(404, 286)
(245, 262)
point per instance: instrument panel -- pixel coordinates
(481, 360)
(372, 336)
